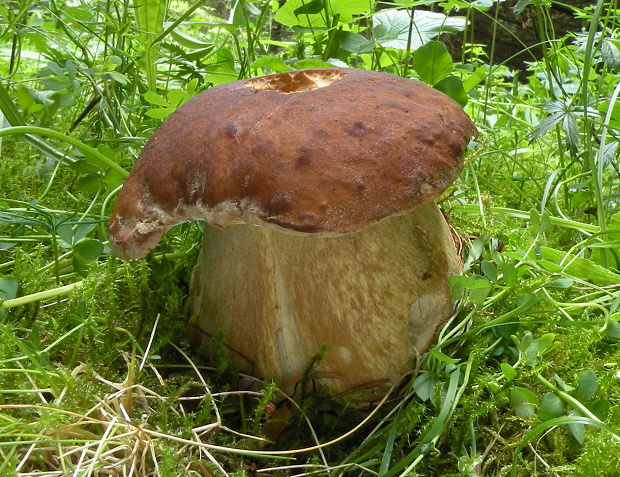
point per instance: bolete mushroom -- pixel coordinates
(328, 177)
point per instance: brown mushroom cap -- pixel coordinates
(324, 151)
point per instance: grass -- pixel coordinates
(95, 376)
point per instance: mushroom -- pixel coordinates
(317, 187)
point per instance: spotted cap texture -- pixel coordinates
(322, 151)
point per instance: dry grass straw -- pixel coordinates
(114, 437)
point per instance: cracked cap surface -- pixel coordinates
(325, 152)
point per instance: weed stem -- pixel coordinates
(43, 295)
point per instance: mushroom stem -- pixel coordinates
(376, 297)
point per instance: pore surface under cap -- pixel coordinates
(324, 151)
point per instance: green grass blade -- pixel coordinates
(91, 154)
(581, 268)
(439, 424)
(558, 421)
(389, 446)
(48, 378)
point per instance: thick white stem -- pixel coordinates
(375, 297)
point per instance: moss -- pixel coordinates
(599, 456)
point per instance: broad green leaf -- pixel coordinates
(425, 385)
(520, 394)
(520, 6)
(475, 78)
(489, 270)
(66, 232)
(524, 402)
(475, 251)
(82, 229)
(150, 16)
(612, 330)
(113, 178)
(586, 386)
(546, 343)
(478, 288)
(116, 76)
(545, 125)
(106, 151)
(55, 69)
(530, 350)
(600, 408)
(89, 249)
(80, 13)
(610, 52)
(453, 87)
(539, 222)
(545, 221)
(44, 97)
(159, 113)
(581, 268)
(310, 8)
(562, 385)
(530, 298)
(8, 288)
(442, 357)
(272, 62)
(559, 283)
(112, 62)
(90, 183)
(549, 266)
(217, 76)
(27, 102)
(190, 87)
(345, 9)
(479, 291)
(81, 265)
(356, 43)
(223, 70)
(35, 337)
(391, 27)
(508, 371)
(67, 100)
(7, 245)
(82, 310)
(197, 55)
(53, 84)
(604, 107)
(614, 219)
(578, 430)
(84, 167)
(606, 244)
(526, 341)
(303, 64)
(177, 97)
(510, 275)
(72, 232)
(187, 41)
(432, 62)
(155, 98)
(483, 4)
(551, 407)
(569, 126)
(241, 12)
(458, 284)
